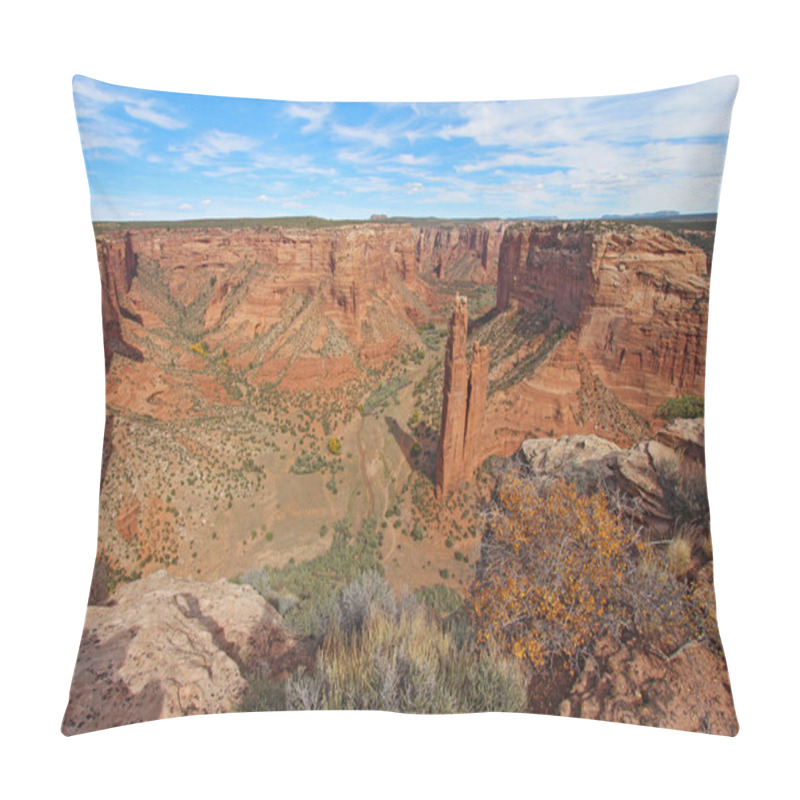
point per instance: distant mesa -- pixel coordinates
(377, 217)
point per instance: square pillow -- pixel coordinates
(404, 407)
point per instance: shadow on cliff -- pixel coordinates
(100, 697)
(270, 644)
(408, 445)
(477, 323)
(189, 606)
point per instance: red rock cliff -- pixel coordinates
(464, 405)
(461, 252)
(636, 299)
(117, 269)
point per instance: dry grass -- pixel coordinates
(679, 553)
(396, 656)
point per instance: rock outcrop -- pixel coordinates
(630, 683)
(642, 472)
(167, 647)
(464, 404)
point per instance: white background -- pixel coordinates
(53, 405)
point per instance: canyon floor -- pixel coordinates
(243, 486)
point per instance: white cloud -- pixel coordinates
(145, 111)
(504, 160)
(91, 98)
(315, 115)
(97, 135)
(213, 145)
(373, 137)
(410, 160)
(185, 207)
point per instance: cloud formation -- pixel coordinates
(580, 157)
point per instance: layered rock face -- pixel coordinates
(168, 647)
(294, 304)
(629, 305)
(636, 299)
(464, 404)
(462, 252)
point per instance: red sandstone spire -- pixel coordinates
(464, 404)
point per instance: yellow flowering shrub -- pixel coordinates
(553, 571)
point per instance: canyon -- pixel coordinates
(289, 404)
(236, 350)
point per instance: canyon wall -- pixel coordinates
(634, 297)
(117, 269)
(464, 405)
(245, 278)
(465, 252)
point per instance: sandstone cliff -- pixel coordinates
(621, 312)
(635, 298)
(465, 252)
(117, 269)
(296, 305)
(464, 404)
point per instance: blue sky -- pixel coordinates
(166, 156)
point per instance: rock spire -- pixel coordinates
(464, 405)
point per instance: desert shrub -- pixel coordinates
(316, 584)
(663, 610)
(679, 553)
(560, 569)
(687, 406)
(263, 692)
(259, 579)
(399, 658)
(367, 595)
(334, 446)
(442, 599)
(552, 571)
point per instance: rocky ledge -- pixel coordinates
(637, 472)
(166, 647)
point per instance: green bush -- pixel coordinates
(687, 406)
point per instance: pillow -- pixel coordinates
(404, 407)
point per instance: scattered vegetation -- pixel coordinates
(315, 584)
(378, 653)
(687, 406)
